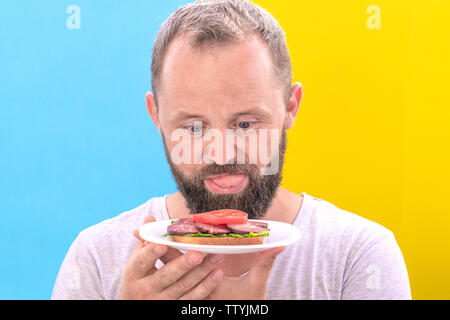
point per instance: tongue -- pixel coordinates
(228, 181)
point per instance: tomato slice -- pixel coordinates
(223, 216)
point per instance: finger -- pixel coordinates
(147, 219)
(170, 255)
(263, 264)
(136, 234)
(194, 278)
(174, 253)
(206, 287)
(145, 258)
(174, 270)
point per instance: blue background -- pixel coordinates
(77, 145)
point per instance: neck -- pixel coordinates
(285, 206)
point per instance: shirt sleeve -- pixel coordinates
(78, 277)
(378, 273)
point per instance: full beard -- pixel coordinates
(255, 199)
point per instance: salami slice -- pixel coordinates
(260, 223)
(183, 220)
(187, 226)
(212, 228)
(246, 228)
(182, 226)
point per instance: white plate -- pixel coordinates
(281, 234)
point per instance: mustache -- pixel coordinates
(213, 169)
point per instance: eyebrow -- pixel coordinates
(182, 116)
(255, 111)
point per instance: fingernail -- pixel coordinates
(194, 259)
(215, 258)
(217, 275)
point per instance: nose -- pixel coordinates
(218, 147)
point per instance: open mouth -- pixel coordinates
(226, 183)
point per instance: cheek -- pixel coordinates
(268, 145)
(180, 151)
(182, 146)
(259, 147)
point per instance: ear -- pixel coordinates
(152, 110)
(293, 104)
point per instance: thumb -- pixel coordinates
(147, 219)
(263, 265)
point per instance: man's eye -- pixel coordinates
(244, 124)
(195, 128)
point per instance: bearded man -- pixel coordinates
(224, 66)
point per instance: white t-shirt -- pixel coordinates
(340, 255)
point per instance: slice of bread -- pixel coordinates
(221, 241)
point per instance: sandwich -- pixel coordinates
(218, 227)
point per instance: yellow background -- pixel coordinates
(372, 134)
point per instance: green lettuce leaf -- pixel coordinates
(234, 235)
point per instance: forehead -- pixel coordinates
(231, 75)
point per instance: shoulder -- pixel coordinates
(122, 226)
(327, 221)
(364, 255)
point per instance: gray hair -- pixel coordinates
(211, 22)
